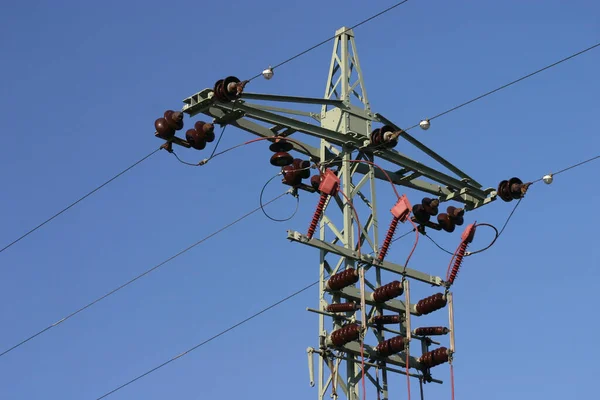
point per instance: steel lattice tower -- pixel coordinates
(346, 143)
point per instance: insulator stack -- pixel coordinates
(385, 319)
(512, 189)
(281, 158)
(424, 211)
(294, 173)
(201, 134)
(391, 346)
(467, 237)
(345, 335)
(388, 239)
(343, 307)
(432, 331)
(453, 217)
(167, 125)
(228, 89)
(384, 137)
(342, 279)
(387, 292)
(434, 357)
(431, 304)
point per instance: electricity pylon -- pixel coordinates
(347, 143)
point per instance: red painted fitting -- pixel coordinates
(432, 331)
(342, 279)
(387, 292)
(391, 346)
(343, 307)
(385, 319)
(467, 237)
(434, 357)
(431, 304)
(345, 335)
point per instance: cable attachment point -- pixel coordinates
(228, 89)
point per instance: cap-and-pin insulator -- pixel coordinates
(434, 357)
(512, 189)
(454, 216)
(202, 133)
(342, 307)
(386, 319)
(387, 292)
(431, 331)
(167, 125)
(424, 211)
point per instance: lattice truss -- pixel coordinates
(346, 141)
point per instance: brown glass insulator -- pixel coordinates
(303, 167)
(342, 279)
(431, 304)
(174, 119)
(376, 137)
(343, 307)
(456, 215)
(226, 89)
(432, 331)
(446, 222)
(206, 130)
(387, 292)
(345, 335)
(512, 189)
(430, 206)
(163, 129)
(195, 139)
(385, 132)
(386, 319)
(391, 346)
(291, 176)
(420, 214)
(281, 159)
(434, 357)
(281, 145)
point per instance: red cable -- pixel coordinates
(382, 170)
(414, 245)
(452, 379)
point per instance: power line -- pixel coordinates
(571, 167)
(74, 313)
(77, 201)
(332, 37)
(510, 83)
(232, 327)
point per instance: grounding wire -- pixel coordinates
(77, 201)
(129, 282)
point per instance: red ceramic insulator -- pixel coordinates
(434, 357)
(345, 335)
(432, 331)
(387, 292)
(431, 304)
(467, 237)
(342, 279)
(386, 319)
(391, 346)
(343, 307)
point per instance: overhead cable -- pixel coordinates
(129, 282)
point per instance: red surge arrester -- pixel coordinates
(466, 238)
(329, 186)
(400, 212)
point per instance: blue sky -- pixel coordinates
(82, 84)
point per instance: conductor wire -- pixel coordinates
(262, 207)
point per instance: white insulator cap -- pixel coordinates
(425, 124)
(268, 73)
(548, 179)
